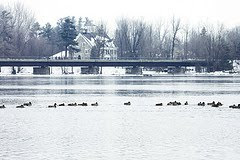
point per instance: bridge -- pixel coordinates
(100, 63)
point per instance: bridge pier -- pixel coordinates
(19, 69)
(134, 70)
(176, 70)
(90, 70)
(100, 72)
(14, 70)
(41, 70)
(200, 69)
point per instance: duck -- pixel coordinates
(159, 104)
(210, 104)
(54, 106)
(72, 104)
(235, 106)
(83, 104)
(219, 104)
(127, 103)
(62, 104)
(94, 104)
(201, 104)
(175, 103)
(27, 104)
(21, 106)
(186, 103)
(215, 105)
(2, 106)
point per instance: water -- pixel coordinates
(111, 130)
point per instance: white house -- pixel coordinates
(87, 39)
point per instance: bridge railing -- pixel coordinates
(75, 58)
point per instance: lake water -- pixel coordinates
(112, 131)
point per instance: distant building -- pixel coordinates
(87, 39)
(85, 42)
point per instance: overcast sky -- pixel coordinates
(191, 11)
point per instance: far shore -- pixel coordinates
(210, 74)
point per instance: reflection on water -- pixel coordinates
(112, 130)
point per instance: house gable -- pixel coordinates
(85, 46)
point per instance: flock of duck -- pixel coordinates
(72, 104)
(174, 103)
(212, 104)
(54, 105)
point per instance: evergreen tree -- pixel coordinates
(47, 32)
(35, 30)
(51, 38)
(67, 33)
(6, 37)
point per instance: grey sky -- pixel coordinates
(190, 11)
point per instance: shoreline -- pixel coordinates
(212, 74)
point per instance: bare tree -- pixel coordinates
(175, 29)
(186, 41)
(233, 38)
(122, 37)
(160, 39)
(130, 36)
(22, 20)
(137, 29)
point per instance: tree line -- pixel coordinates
(21, 36)
(137, 39)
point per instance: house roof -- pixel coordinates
(94, 35)
(90, 35)
(90, 38)
(60, 54)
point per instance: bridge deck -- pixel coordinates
(103, 63)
